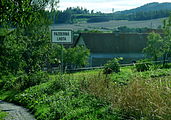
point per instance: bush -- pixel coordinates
(7, 82)
(26, 81)
(23, 81)
(112, 66)
(143, 65)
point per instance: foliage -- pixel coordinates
(26, 52)
(77, 56)
(154, 46)
(126, 29)
(23, 81)
(159, 46)
(2, 115)
(62, 99)
(7, 81)
(25, 47)
(143, 65)
(91, 95)
(166, 39)
(72, 57)
(22, 13)
(112, 66)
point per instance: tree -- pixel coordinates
(20, 13)
(160, 46)
(25, 48)
(166, 39)
(77, 56)
(154, 48)
(72, 57)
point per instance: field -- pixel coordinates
(109, 26)
(91, 95)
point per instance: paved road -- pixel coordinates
(15, 112)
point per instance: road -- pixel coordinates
(15, 112)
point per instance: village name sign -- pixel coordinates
(61, 36)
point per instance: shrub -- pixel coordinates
(143, 65)
(23, 81)
(7, 82)
(112, 66)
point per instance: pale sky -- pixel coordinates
(105, 5)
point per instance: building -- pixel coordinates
(105, 46)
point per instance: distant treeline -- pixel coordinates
(143, 15)
(75, 15)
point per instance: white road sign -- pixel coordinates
(61, 36)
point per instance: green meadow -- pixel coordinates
(92, 95)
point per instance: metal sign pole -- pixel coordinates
(62, 58)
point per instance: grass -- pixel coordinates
(144, 95)
(2, 115)
(92, 95)
(62, 99)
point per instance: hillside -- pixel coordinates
(111, 25)
(79, 15)
(146, 12)
(155, 6)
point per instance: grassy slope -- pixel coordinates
(108, 26)
(91, 95)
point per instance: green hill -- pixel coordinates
(155, 6)
(146, 12)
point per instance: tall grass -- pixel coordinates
(148, 99)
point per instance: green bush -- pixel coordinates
(23, 81)
(7, 82)
(112, 66)
(26, 81)
(143, 65)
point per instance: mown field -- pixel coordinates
(109, 26)
(91, 95)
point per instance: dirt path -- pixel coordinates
(15, 112)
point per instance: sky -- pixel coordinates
(106, 6)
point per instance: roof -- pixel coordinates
(75, 37)
(114, 42)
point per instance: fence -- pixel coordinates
(122, 65)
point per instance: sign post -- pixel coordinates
(62, 36)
